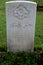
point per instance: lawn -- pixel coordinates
(20, 58)
(39, 29)
(39, 2)
(3, 36)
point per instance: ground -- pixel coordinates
(21, 58)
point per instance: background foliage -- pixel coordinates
(39, 2)
(3, 35)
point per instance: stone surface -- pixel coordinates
(20, 21)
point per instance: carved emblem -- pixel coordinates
(21, 12)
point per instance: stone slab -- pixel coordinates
(20, 23)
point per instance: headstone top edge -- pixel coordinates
(21, 1)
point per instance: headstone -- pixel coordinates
(20, 21)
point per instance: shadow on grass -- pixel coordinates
(3, 49)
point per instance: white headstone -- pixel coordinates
(20, 17)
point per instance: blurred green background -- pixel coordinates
(38, 29)
(39, 2)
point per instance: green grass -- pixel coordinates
(20, 58)
(39, 2)
(38, 30)
(3, 23)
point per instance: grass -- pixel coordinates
(38, 30)
(2, 23)
(21, 58)
(39, 2)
